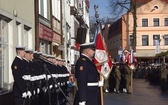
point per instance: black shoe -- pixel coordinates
(128, 93)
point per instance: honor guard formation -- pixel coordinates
(39, 79)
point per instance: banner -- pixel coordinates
(130, 58)
(102, 59)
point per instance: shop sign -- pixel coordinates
(45, 33)
(56, 38)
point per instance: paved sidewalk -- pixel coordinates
(143, 94)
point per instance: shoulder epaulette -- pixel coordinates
(83, 59)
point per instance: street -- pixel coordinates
(143, 94)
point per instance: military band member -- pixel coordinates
(18, 70)
(87, 77)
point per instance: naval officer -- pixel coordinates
(87, 77)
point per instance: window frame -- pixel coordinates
(155, 22)
(145, 22)
(147, 40)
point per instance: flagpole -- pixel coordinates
(97, 30)
(101, 92)
(131, 71)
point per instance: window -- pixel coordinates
(44, 47)
(156, 22)
(44, 8)
(156, 40)
(56, 7)
(165, 39)
(4, 72)
(26, 36)
(145, 40)
(166, 21)
(131, 40)
(18, 36)
(144, 22)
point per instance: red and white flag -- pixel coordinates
(130, 58)
(102, 59)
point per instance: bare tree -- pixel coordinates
(118, 7)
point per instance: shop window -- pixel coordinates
(45, 47)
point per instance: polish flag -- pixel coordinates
(102, 58)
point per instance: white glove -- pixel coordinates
(55, 85)
(49, 76)
(34, 92)
(51, 86)
(29, 94)
(82, 103)
(24, 95)
(101, 83)
(38, 90)
(44, 89)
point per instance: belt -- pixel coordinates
(93, 84)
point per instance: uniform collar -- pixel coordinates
(86, 56)
(26, 59)
(19, 57)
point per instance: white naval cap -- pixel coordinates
(20, 47)
(27, 50)
(90, 45)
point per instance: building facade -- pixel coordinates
(151, 34)
(79, 19)
(48, 26)
(16, 28)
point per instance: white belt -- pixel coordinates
(93, 84)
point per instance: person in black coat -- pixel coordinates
(18, 71)
(87, 77)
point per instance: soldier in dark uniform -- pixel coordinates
(87, 77)
(27, 74)
(18, 71)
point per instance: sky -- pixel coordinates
(102, 8)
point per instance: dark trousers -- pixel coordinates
(18, 101)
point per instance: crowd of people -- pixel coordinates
(155, 74)
(39, 79)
